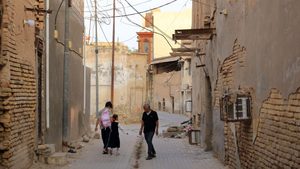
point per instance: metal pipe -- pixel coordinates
(84, 74)
(47, 66)
(113, 53)
(96, 53)
(66, 74)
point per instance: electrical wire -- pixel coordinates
(55, 26)
(206, 4)
(148, 10)
(55, 21)
(137, 4)
(109, 43)
(145, 27)
(161, 31)
(110, 9)
(184, 5)
(128, 39)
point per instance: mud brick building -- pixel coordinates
(31, 79)
(17, 82)
(246, 80)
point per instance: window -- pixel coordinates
(146, 46)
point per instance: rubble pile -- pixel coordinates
(174, 132)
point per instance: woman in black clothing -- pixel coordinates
(114, 140)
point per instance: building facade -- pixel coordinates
(165, 23)
(31, 80)
(171, 84)
(52, 113)
(130, 77)
(18, 84)
(246, 85)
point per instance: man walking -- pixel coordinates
(149, 125)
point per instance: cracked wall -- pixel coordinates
(255, 51)
(17, 86)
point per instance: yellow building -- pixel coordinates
(168, 22)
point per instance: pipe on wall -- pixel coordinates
(47, 66)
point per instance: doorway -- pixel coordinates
(173, 104)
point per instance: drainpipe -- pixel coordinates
(47, 66)
(84, 74)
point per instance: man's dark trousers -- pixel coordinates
(149, 138)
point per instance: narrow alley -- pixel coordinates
(171, 152)
(71, 71)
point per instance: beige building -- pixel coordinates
(170, 89)
(168, 22)
(169, 82)
(130, 77)
(246, 81)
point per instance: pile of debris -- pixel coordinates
(175, 132)
(46, 154)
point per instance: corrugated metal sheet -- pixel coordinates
(165, 60)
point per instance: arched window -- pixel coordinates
(146, 46)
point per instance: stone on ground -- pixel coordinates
(57, 159)
(85, 139)
(97, 136)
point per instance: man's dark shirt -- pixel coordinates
(150, 121)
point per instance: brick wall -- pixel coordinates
(17, 88)
(225, 82)
(277, 141)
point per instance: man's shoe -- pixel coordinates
(153, 155)
(149, 158)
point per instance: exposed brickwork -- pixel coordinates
(17, 96)
(226, 72)
(277, 143)
(225, 82)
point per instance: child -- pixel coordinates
(114, 140)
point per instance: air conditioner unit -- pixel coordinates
(238, 109)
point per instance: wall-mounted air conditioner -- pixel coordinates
(236, 108)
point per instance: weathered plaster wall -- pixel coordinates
(166, 85)
(56, 60)
(130, 77)
(255, 50)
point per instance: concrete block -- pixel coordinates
(85, 139)
(51, 148)
(57, 159)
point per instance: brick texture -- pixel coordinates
(277, 143)
(17, 95)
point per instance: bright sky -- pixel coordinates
(125, 31)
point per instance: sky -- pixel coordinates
(125, 30)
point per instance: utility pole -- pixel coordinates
(113, 53)
(66, 74)
(96, 53)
